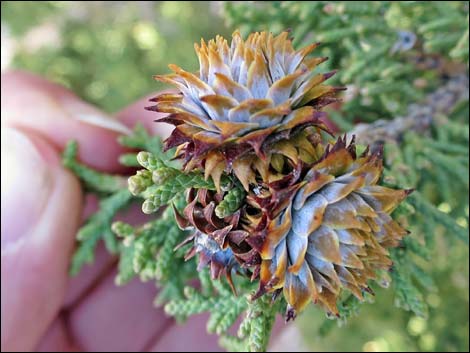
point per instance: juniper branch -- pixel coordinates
(420, 116)
(141, 140)
(93, 180)
(262, 314)
(232, 343)
(148, 249)
(231, 202)
(407, 295)
(424, 207)
(159, 183)
(99, 227)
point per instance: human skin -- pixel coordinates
(42, 206)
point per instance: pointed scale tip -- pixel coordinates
(366, 152)
(290, 314)
(369, 290)
(379, 151)
(152, 108)
(340, 88)
(257, 294)
(228, 276)
(275, 295)
(329, 74)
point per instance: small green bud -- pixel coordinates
(149, 207)
(149, 161)
(122, 229)
(231, 203)
(142, 158)
(139, 182)
(161, 175)
(170, 308)
(129, 160)
(189, 292)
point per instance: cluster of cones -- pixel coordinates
(314, 220)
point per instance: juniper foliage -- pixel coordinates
(389, 52)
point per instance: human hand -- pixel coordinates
(42, 208)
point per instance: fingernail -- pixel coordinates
(90, 115)
(104, 122)
(26, 183)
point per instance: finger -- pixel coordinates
(89, 276)
(40, 204)
(33, 103)
(60, 116)
(57, 339)
(136, 113)
(286, 337)
(103, 262)
(114, 318)
(190, 336)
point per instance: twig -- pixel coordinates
(437, 105)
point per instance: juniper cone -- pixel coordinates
(312, 220)
(220, 242)
(251, 103)
(326, 231)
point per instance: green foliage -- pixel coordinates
(141, 140)
(93, 180)
(159, 184)
(261, 315)
(407, 295)
(225, 308)
(99, 225)
(107, 53)
(387, 51)
(420, 163)
(114, 194)
(231, 202)
(148, 250)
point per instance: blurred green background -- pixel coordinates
(107, 53)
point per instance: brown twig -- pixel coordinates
(420, 116)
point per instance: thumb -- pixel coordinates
(41, 206)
